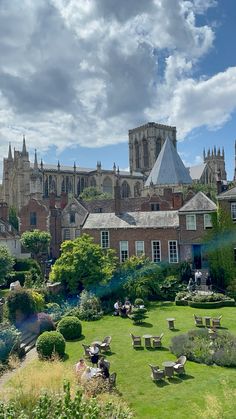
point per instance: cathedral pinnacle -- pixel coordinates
(24, 152)
(9, 152)
(35, 160)
(41, 164)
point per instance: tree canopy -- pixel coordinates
(36, 242)
(91, 193)
(83, 264)
(13, 219)
(6, 263)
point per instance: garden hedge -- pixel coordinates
(211, 304)
(50, 342)
(70, 327)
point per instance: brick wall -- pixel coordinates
(42, 216)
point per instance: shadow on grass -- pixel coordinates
(174, 330)
(161, 383)
(185, 377)
(108, 353)
(145, 324)
(65, 357)
(82, 337)
(174, 380)
(163, 349)
(139, 348)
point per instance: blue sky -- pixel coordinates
(76, 75)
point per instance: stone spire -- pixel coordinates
(74, 167)
(58, 166)
(41, 164)
(35, 160)
(9, 152)
(24, 152)
(204, 154)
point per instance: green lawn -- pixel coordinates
(204, 392)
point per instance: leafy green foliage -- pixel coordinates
(63, 405)
(220, 249)
(20, 301)
(70, 327)
(6, 263)
(208, 190)
(138, 302)
(13, 219)
(89, 307)
(49, 343)
(91, 193)
(185, 271)
(9, 340)
(138, 315)
(197, 346)
(83, 264)
(36, 242)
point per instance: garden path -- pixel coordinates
(30, 356)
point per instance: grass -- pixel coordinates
(205, 391)
(4, 292)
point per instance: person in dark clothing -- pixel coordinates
(208, 281)
(104, 367)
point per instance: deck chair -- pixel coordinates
(156, 341)
(216, 321)
(179, 365)
(198, 321)
(86, 351)
(157, 373)
(105, 345)
(136, 341)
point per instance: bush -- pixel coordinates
(213, 300)
(139, 302)
(45, 323)
(38, 301)
(197, 346)
(138, 315)
(89, 307)
(9, 340)
(49, 343)
(70, 327)
(20, 305)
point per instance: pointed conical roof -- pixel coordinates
(9, 152)
(35, 160)
(169, 168)
(199, 202)
(24, 152)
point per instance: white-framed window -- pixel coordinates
(233, 210)
(139, 247)
(156, 251)
(77, 232)
(207, 221)
(124, 250)
(105, 240)
(173, 251)
(191, 222)
(66, 234)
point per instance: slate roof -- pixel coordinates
(197, 171)
(169, 168)
(230, 194)
(200, 202)
(148, 219)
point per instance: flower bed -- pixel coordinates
(214, 300)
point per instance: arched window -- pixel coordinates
(107, 185)
(158, 147)
(93, 182)
(125, 190)
(137, 189)
(137, 155)
(82, 184)
(63, 188)
(145, 154)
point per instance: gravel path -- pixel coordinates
(30, 356)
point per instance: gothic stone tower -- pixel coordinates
(145, 143)
(215, 161)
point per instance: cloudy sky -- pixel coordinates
(75, 75)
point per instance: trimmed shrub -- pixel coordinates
(38, 300)
(138, 315)
(139, 302)
(70, 327)
(49, 343)
(20, 305)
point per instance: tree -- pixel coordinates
(13, 219)
(83, 264)
(220, 249)
(36, 242)
(91, 193)
(6, 263)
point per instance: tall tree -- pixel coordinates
(83, 264)
(13, 219)
(220, 243)
(36, 242)
(6, 263)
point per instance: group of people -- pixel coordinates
(122, 310)
(193, 284)
(84, 372)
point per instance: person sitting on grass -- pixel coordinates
(103, 365)
(87, 375)
(80, 367)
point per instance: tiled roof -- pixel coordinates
(168, 168)
(152, 219)
(230, 194)
(199, 202)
